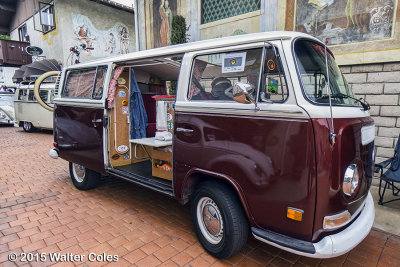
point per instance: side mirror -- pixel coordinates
(241, 93)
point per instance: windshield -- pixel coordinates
(311, 64)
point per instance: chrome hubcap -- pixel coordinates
(79, 172)
(210, 220)
(27, 125)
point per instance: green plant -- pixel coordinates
(5, 37)
(172, 90)
(238, 32)
(178, 30)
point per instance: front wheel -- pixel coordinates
(83, 178)
(219, 220)
(28, 126)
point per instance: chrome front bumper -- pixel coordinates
(339, 243)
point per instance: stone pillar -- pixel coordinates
(193, 19)
(268, 15)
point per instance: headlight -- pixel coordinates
(351, 179)
(2, 115)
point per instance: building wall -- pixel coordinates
(51, 42)
(24, 10)
(263, 19)
(242, 24)
(6, 74)
(69, 16)
(379, 84)
(101, 21)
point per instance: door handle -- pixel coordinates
(97, 120)
(184, 130)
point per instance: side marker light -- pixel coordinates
(295, 214)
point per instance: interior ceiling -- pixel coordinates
(165, 69)
(7, 11)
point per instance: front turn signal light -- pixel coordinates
(295, 214)
(337, 220)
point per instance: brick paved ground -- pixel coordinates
(41, 211)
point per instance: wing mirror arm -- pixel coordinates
(256, 107)
(242, 94)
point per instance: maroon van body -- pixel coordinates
(272, 164)
(256, 162)
(79, 139)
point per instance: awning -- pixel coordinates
(35, 69)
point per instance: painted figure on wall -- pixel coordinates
(166, 22)
(345, 21)
(111, 45)
(124, 40)
(114, 40)
(163, 10)
(84, 36)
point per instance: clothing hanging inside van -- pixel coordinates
(137, 112)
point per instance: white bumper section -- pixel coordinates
(342, 242)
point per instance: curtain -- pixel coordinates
(113, 86)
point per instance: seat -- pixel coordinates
(150, 106)
(391, 176)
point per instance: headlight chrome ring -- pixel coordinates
(351, 180)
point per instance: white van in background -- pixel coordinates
(7, 115)
(28, 112)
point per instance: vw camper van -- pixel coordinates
(28, 112)
(259, 133)
(7, 115)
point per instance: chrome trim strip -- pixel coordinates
(244, 112)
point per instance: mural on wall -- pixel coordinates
(345, 21)
(100, 43)
(163, 10)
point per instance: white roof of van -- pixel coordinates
(199, 45)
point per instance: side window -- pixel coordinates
(44, 95)
(31, 95)
(79, 83)
(98, 88)
(22, 95)
(214, 75)
(85, 83)
(274, 87)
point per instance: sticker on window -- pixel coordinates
(272, 86)
(233, 62)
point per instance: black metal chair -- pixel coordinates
(391, 176)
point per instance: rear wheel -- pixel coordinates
(219, 220)
(28, 126)
(83, 178)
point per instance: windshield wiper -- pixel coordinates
(363, 103)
